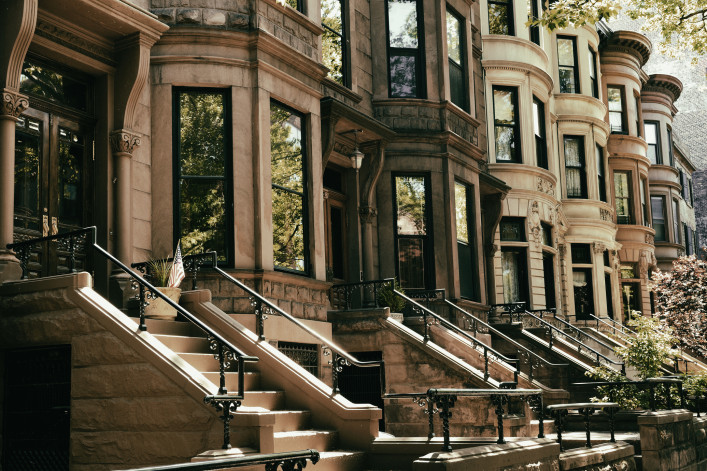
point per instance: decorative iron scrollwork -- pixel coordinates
(227, 405)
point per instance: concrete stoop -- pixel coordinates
(262, 422)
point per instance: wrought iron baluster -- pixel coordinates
(612, 424)
(444, 403)
(72, 255)
(535, 402)
(227, 405)
(500, 400)
(143, 304)
(337, 366)
(486, 363)
(587, 411)
(260, 317)
(23, 254)
(559, 422)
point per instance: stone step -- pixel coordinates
(285, 420)
(159, 326)
(270, 400)
(304, 439)
(182, 344)
(205, 362)
(250, 378)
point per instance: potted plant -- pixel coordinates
(158, 275)
(388, 298)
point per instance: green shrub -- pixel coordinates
(158, 271)
(388, 298)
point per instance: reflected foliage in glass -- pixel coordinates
(288, 188)
(333, 54)
(27, 173)
(37, 80)
(410, 198)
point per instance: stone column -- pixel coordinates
(13, 104)
(367, 215)
(123, 142)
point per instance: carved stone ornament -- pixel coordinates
(605, 214)
(617, 260)
(491, 250)
(325, 194)
(599, 248)
(534, 225)
(562, 249)
(13, 104)
(124, 142)
(546, 186)
(367, 214)
(643, 264)
(650, 239)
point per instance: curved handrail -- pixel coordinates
(486, 349)
(578, 331)
(341, 357)
(504, 336)
(579, 342)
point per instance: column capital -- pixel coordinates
(13, 103)
(123, 141)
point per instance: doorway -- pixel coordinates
(53, 168)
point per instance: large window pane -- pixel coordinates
(505, 124)
(514, 271)
(403, 76)
(501, 17)
(203, 172)
(455, 52)
(622, 192)
(27, 173)
(333, 51)
(616, 109)
(410, 199)
(402, 23)
(71, 150)
(658, 212)
(287, 169)
(583, 293)
(574, 167)
(37, 80)
(465, 249)
(651, 132)
(539, 131)
(411, 262)
(566, 60)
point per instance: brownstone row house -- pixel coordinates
(444, 144)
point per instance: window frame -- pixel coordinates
(676, 221)
(534, 13)
(601, 172)
(639, 113)
(628, 198)
(304, 194)
(418, 53)
(510, 20)
(464, 105)
(227, 178)
(575, 67)
(517, 156)
(428, 238)
(671, 155)
(344, 37)
(656, 144)
(622, 112)
(582, 167)
(471, 243)
(594, 67)
(540, 133)
(656, 221)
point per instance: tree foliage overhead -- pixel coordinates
(681, 298)
(681, 23)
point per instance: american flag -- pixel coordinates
(176, 273)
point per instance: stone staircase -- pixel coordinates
(263, 423)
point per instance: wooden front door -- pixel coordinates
(53, 167)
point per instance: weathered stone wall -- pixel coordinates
(124, 411)
(412, 368)
(617, 456)
(668, 440)
(299, 296)
(699, 430)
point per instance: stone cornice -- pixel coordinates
(60, 32)
(519, 67)
(13, 103)
(628, 42)
(664, 84)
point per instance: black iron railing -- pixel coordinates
(285, 461)
(489, 354)
(579, 334)
(441, 401)
(264, 308)
(650, 384)
(224, 351)
(617, 328)
(527, 357)
(514, 310)
(560, 411)
(192, 266)
(360, 295)
(530, 320)
(73, 242)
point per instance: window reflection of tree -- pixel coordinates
(332, 39)
(287, 169)
(202, 155)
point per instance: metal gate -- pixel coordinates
(36, 409)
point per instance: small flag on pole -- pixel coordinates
(176, 273)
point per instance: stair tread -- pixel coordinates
(303, 433)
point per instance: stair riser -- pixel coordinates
(271, 400)
(316, 441)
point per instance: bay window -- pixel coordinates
(652, 136)
(617, 118)
(413, 233)
(593, 76)
(468, 278)
(456, 56)
(622, 196)
(501, 17)
(334, 53)
(539, 131)
(658, 213)
(601, 180)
